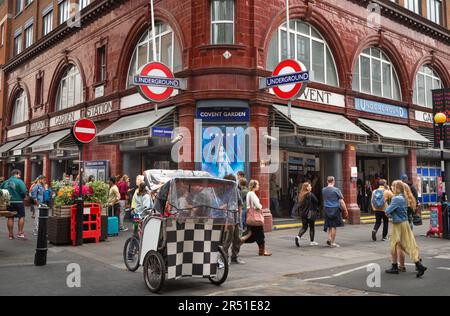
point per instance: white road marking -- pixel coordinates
(30, 264)
(443, 268)
(338, 274)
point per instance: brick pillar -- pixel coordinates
(27, 172)
(116, 162)
(47, 168)
(350, 189)
(411, 165)
(260, 119)
(186, 117)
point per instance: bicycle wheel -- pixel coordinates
(131, 254)
(222, 269)
(154, 271)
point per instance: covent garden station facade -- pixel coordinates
(366, 114)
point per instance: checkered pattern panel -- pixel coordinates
(192, 248)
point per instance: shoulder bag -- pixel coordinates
(254, 217)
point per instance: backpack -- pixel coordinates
(378, 200)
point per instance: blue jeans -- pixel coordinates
(275, 206)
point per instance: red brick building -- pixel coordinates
(368, 105)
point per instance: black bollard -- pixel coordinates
(40, 259)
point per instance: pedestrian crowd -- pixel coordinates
(397, 202)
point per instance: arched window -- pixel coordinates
(426, 80)
(168, 50)
(20, 110)
(307, 46)
(374, 74)
(70, 90)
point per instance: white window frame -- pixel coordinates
(147, 40)
(311, 38)
(83, 4)
(47, 22)
(425, 75)
(434, 10)
(72, 74)
(20, 111)
(20, 8)
(63, 11)
(28, 34)
(223, 22)
(384, 60)
(18, 48)
(413, 5)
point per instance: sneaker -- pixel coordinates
(297, 241)
(313, 244)
(335, 245)
(385, 239)
(374, 235)
(123, 229)
(21, 236)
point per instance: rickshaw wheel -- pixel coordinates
(154, 271)
(222, 269)
(133, 244)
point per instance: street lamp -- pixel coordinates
(440, 119)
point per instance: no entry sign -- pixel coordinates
(84, 131)
(288, 80)
(156, 82)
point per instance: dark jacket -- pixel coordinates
(309, 203)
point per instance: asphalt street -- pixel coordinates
(290, 271)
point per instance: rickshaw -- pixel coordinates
(182, 235)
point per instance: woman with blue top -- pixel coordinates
(142, 200)
(402, 239)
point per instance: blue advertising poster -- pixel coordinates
(223, 150)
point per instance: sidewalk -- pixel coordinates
(103, 271)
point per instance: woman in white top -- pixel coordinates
(256, 232)
(141, 199)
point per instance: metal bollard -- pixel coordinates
(40, 258)
(445, 221)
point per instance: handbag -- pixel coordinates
(254, 217)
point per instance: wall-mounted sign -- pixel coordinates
(38, 126)
(17, 152)
(65, 118)
(381, 108)
(99, 109)
(17, 131)
(223, 114)
(162, 131)
(354, 172)
(99, 91)
(98, 169)
(424, 117)
(60, 153)
(323, 97)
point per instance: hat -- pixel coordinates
(404, 177)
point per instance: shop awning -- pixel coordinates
(136, 126)
(393, 134)
(18, 150)
(48, 142)
(9, 146)
(316, 124)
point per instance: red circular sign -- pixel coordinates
(289, 91)
(156, 94)
(85, 131)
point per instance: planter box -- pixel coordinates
(63, 211)
(59, 230)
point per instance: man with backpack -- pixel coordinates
(18, 191)
(380, 199)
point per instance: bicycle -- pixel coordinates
(132, 245)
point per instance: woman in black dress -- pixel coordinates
(308, 208)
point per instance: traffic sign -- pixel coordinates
(84, 131)
(289, 79)
(156, 82)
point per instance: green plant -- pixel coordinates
(100, 191)
(64, 197)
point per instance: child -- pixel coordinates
(48, 197)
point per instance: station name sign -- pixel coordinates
(224, 114)
(99, 109)
(381, 108)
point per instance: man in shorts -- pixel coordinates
(18, 191)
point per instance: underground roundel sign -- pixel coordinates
(156, 82)
(289, 79)
(84, 131)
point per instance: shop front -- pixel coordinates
(312, 144)
(144, 140)
(11, 162)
